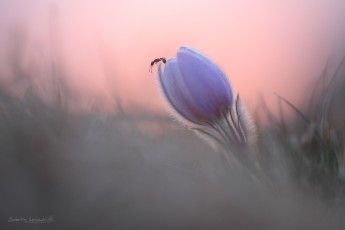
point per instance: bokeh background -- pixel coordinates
(108, 45)
(87, 139)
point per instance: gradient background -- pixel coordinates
(92, 170)
(107, 46)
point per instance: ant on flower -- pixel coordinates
(157, 60)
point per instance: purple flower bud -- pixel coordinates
(195, 87)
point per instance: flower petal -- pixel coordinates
(177, 94)
(205, 82)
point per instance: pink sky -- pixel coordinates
(263, 46)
